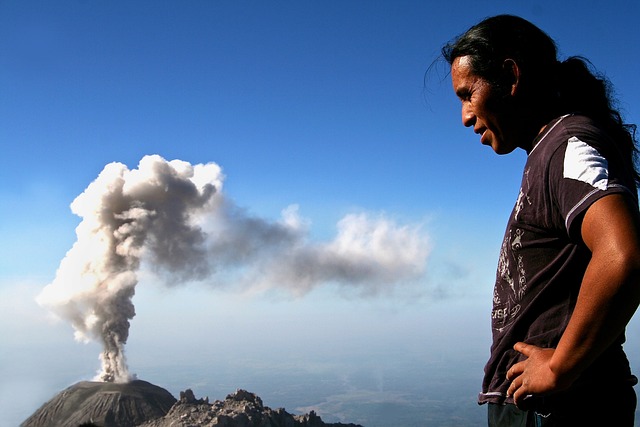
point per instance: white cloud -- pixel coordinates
(173, 217)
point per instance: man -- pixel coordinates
(568, 277)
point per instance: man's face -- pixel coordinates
(483, 108)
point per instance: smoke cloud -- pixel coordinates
(172, 217)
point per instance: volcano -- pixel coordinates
(103, 403)
(139, 403)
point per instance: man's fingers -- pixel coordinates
(514, 386)
(515, 370)
(522, 400)
(523, 348)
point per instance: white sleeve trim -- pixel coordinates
(584, 163)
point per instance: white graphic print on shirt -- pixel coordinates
(511, 267)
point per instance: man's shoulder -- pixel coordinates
(582, 127)
(570, 127)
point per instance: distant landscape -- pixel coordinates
(390, 387)
(388, 396)
(374, 399)
(382, 397)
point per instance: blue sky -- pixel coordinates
(325, 105)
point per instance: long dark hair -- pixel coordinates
(572, 86)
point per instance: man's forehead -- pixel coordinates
(461, 73)
(461, 64)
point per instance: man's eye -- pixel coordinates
(464, 96)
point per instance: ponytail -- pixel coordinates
(581, 90)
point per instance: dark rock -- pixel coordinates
(103, 404)
(239, 409)
(139, 403)
(187, 396)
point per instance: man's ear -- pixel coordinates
(512, 75)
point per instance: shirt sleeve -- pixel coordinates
(580, 175)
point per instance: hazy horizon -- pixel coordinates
(330, 361)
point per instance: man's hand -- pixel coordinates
(533, 376)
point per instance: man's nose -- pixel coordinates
(468, 117)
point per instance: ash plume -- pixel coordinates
(172, 217)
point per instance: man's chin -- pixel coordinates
(502, 149)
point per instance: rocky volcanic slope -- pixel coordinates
(105, 404)
(239, 409)
(139, 403)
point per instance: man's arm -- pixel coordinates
(608, 297)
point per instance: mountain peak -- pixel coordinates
(139, 403)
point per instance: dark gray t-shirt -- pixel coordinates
(542, 258)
